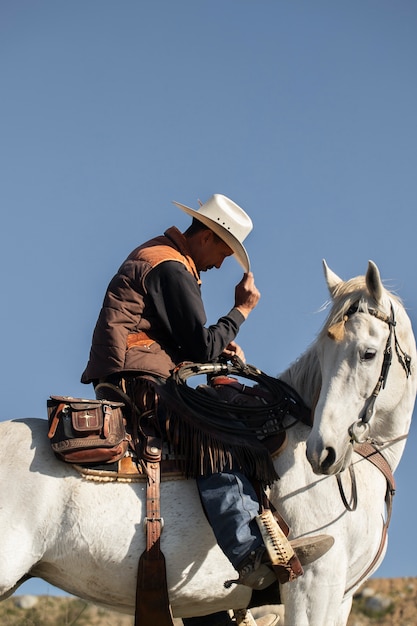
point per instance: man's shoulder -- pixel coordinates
(155, 251)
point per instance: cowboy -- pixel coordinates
(153, 318)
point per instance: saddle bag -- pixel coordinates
(87, 431)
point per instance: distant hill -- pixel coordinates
(380, 602)
(385, 602)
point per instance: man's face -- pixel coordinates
(210, 251)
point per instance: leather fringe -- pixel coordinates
(201, 450)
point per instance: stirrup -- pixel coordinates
(278, 558)
(287, 558)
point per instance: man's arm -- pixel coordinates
(177, 300)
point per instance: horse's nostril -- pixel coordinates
(329, 459)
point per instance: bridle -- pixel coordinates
(370, 449)
(359, 430)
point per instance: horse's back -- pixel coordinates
(86, 537)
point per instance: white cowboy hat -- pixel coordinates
(225, 218)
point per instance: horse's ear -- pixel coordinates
(332, 279)
(373, 282)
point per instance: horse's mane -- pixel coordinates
(304, 373)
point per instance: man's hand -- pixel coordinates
(233, 349)
(246, 295)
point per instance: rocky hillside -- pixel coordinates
(380, 602)
(385, 602)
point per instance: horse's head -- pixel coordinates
(367, 355)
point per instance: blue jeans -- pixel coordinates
(231, 505)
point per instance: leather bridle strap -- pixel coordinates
(356, 430)
(403, 358)
(386, 363)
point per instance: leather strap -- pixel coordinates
(152, 601)
(55, 420)
(374, 456)
(153, 510)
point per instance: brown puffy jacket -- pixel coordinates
(126, 338)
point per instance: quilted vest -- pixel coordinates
(126, 338)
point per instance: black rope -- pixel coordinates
(280, 401)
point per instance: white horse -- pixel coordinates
(86, 537)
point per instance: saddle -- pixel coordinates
(113, 439)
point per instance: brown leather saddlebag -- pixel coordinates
(86, 431)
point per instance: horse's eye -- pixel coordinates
(368, 355)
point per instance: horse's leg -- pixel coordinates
(344, 612)
(315, 598)
(11, 591)
(18, 556)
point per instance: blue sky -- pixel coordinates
(303, 112)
